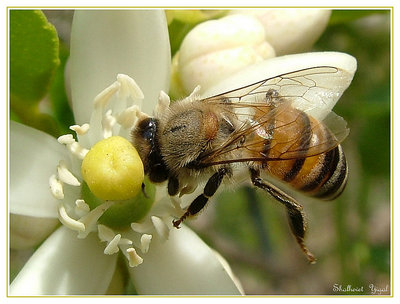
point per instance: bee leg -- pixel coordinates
(294, 210)
(173, 186)
(209, 190)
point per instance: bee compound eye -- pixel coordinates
(147, 128)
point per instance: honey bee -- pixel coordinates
(259, 127)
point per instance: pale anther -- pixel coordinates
(68, 221)
(128, 117)
(145, 242)
(65, 175)
(162, 104)
(112, 246)
(80, 130)
(56, 187)
(161, 228)
(129, 87)
(133, 258)
(195, 92)
(66, 139)
(104, 96)
(74, 147)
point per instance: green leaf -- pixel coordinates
(59, 101)
(33, 55)
(344, 16)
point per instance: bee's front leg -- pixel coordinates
(209, 190)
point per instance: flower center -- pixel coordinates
(114, 197)
(113, 169)
(123, 212)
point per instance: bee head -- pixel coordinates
(144, 138)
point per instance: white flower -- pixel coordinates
(290, 30)
(216, 49)
(104, 44)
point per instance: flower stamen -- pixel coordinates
(108, 123)
(162, 104)
(145, 242)
(66, 139)
(133, 258)
(56, 187)
(105, 234)
(194, 93)
(65, 175)
(114, 240)
(129, 87)
(102, 99)
(69, 222)
(80, 130)
(90, 219)
(77, 150)
(111, 175)
(74, 147)
(112, 246)
(128, 117)
(81, 208)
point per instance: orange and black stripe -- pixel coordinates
(323, 175)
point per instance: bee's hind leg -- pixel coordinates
(294, 210)
(209, 190)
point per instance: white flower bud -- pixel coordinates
(215, 49)
(27, 232)
(290, 30)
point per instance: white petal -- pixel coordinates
(105, 43)
(66, 265)
(27, 232)
(182, 265)
(325, 88)
(34, 156)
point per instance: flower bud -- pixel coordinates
(290, 30)
(215, 49)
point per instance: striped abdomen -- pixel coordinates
(314, 162)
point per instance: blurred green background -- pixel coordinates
(350, 236)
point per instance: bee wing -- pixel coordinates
(256, 139)
(313, 90)
(313, 81)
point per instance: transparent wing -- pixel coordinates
(284, 97)
(315, 81)
(310, 90)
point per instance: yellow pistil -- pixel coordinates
(113, 169)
